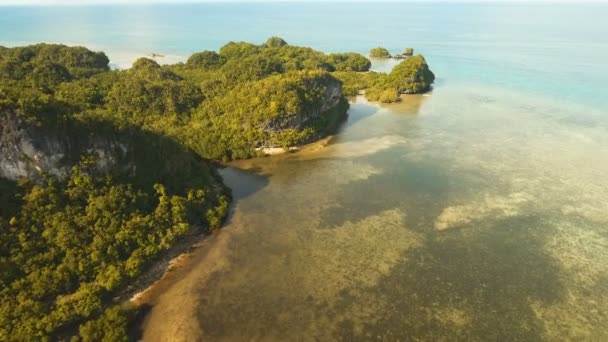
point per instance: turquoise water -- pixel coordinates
(478, 212)
(553, 49)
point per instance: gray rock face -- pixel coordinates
(28, 151)
(331, 97)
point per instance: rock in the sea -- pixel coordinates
(379, 52)
(412, 76)
(408, 52)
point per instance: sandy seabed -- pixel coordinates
(442, 220)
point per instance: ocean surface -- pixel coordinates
(477, 212)
(555, 49)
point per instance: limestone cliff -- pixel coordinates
(323, 109)
(27, 150)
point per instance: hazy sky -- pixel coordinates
(84, 2)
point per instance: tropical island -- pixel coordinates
(102, 171)
(379, 52)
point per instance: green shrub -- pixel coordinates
(275, 42)
(111, 326)
(205, 60)
(412, 75)
(349, 62)
(379, 52)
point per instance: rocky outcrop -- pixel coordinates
(317, 114)
(412, 76)
(379, 52)
(331, 97)
(28, 151)
(408, 52)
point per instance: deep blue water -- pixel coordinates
(556, 50)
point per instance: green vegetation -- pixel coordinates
(111, 326)
(275, 42)
(212, 104)
(410, 76)
(260, 113)
(70, 245)
(74, 243)
(408, 52)
(17, 63)
(205, 60)
(379, 52)
(350, 61)
(388, 95)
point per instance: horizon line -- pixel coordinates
(25, 3)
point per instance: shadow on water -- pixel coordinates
(243, 182)
(248, 180)
(410, 104)
(361, 108)
(355, 116)
(469, 287)
(135, 329)
(421, 188)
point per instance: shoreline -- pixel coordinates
(170, 260)
(145, 289)
(179, 255)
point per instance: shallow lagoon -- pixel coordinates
(470, 213)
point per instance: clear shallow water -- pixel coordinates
(470, 214)
(479, 212)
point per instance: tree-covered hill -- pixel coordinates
(411, 76)
(101, 170)
(379, 52)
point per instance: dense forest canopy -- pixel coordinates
(68, 245)
(412, 75)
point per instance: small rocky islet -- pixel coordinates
(380, 52)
